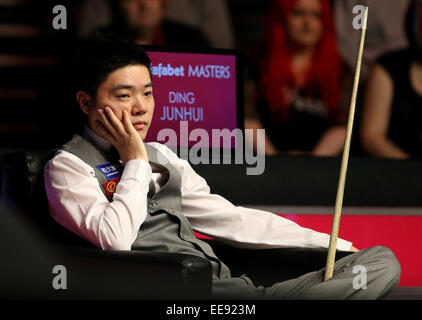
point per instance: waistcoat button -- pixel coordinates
(153, 203)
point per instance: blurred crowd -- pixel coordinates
(299, 70)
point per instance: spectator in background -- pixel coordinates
(385, 31)
(212, 17)
(92, 14)
(145, 22)
(392, 113)
(300, 81)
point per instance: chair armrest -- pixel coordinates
(28, 261)
(20, 173)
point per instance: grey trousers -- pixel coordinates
(366, 275)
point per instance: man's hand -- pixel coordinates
(353, 249)
(122, 135)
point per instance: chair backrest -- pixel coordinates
(22, 187)
(20, 177)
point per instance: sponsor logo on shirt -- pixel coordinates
(110, 171)
(110, 186)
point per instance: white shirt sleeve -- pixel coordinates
(215, 216)
(77, 202)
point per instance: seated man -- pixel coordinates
(159, 199)
(145, 23)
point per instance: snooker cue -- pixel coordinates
(342, 179)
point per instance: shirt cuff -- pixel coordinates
(343, 245)
(139, 170)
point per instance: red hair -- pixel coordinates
(324, 75)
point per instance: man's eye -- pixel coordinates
(123, 96)
(148, 93)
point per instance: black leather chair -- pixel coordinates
(97, 274)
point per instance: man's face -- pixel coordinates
(304, 23)
(140, 14)
(128, 88)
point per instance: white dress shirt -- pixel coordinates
(77, 202)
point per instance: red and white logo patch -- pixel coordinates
(110, 186)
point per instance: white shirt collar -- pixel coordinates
(95, 139)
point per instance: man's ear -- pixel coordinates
(85, 101)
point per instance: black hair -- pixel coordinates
(100, 55)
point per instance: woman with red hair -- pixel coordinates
(300, 81)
